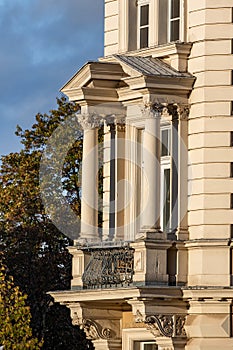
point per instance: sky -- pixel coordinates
(42, 44)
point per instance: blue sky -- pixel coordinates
(43, 43)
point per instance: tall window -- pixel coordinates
(143, 20)
(165, 178)
(174, 20)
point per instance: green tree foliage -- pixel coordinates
(34, 249)
(15, 329)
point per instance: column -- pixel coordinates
(182, 228)
(89, 199)
(172, 109)
(151, 171)
(120, 179)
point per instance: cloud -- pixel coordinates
(43, 43)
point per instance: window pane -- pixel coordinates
(143, 37)
(144, 15)
(166, 204)
(175, 30)
(175, 8)
(165, 143)
(150, 347)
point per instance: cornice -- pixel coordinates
(166, 50)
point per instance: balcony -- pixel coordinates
(108, 267)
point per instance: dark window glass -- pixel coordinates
(231, 174)
(143, 37)
(144, 15)
(175, 8)
(166, 205)
(231, 205)
(150, 347)
(175, 30)
(165, 151)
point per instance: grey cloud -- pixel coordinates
(43, 43)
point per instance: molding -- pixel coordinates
(182, 49)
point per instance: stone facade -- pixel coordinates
(159, 273)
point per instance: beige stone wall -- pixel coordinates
(111, 27)
(210, 154)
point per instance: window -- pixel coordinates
(145, 345)
(174, 20)
(165, 178)
(143, 19)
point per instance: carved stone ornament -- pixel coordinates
(116, 122)
(164, 325)
(183, 111)
(90, 121)
(152, 110)
(92, 329)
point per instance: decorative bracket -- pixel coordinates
(93, 330)
(164, 325)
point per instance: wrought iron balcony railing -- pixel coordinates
(109, 267)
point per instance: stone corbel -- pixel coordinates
(93, 330)
(98, 324)
(163, 325)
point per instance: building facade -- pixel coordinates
(158, 275)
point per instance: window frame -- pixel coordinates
(140, 4)
(170, 20)
(165, 163)
(142, 347)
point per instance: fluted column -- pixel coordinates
(151, 169)
(89, 199)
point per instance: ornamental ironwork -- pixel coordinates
(109, 267)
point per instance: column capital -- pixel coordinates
(178, 111)
(89, 121)
(183, 111)
(152, 110)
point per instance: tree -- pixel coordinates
(15, 330)
(34, 248)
